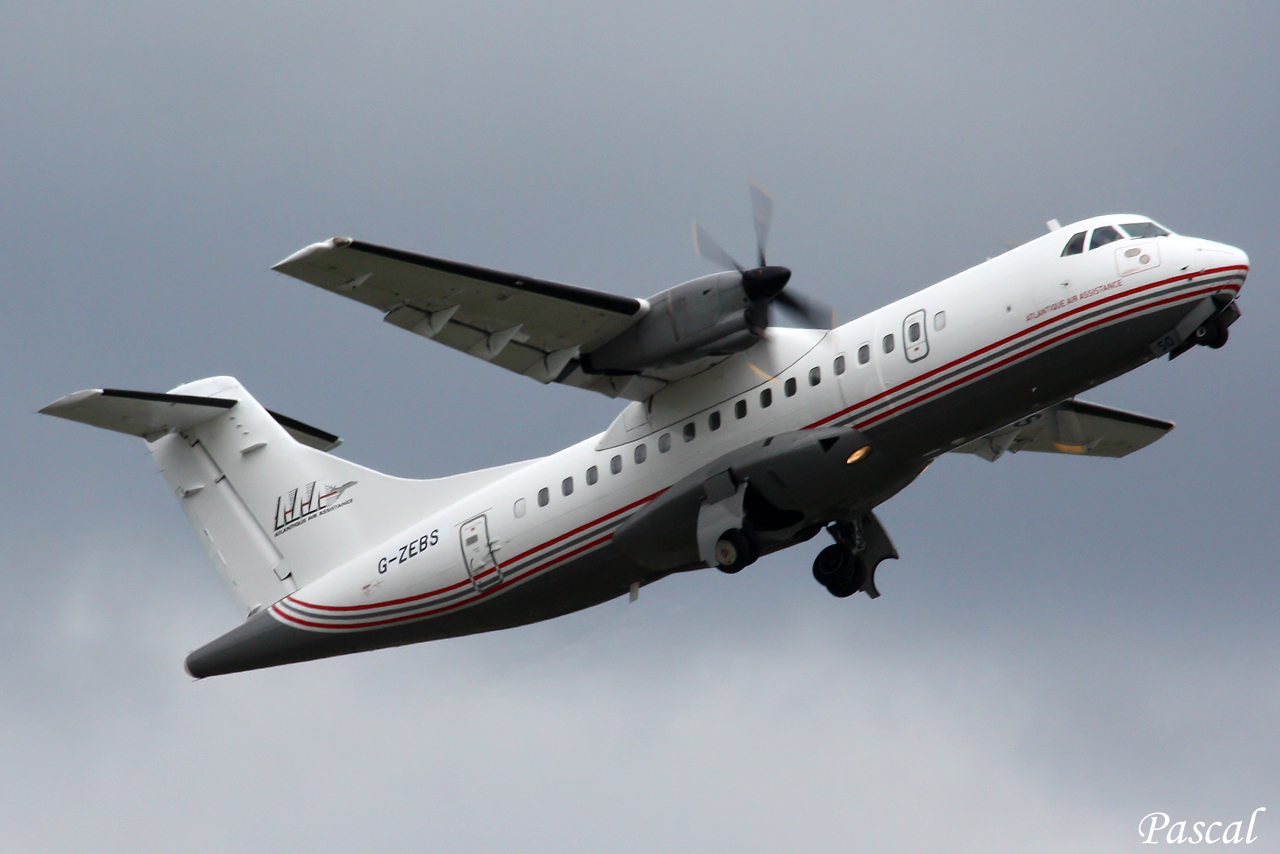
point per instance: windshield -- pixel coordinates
(1143, 229)
(1103, 236)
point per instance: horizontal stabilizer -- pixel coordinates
(138, 413)
(1073, 427)
(150, 415)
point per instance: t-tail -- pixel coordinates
(272, 507)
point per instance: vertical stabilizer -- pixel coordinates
(273, 511)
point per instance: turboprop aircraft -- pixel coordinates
(740, 438)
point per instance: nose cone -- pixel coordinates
(764, 282)
(1220, 256)
(1239, 258)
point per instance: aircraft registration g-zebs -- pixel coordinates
(741, 438)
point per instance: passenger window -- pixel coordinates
(839, 365)
(615, 464)
(766, 398)
(815, 376)
(713, 420)
(864, 354)
(593, 474)
(690, 431)
(641, 452)
(664, 443)
(566, 486)
(544, 496)
(519, 508)
(789, 387)
(1103, 236)
(888, 343)
(940, 320)
(1075, 245)
(913, 332)
(740, 409)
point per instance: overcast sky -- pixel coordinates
(1065, 646)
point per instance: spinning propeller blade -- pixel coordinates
(762, 210)
(709, 249)
(764, 284)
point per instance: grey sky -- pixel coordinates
(1065, 646)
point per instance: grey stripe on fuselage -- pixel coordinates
(1047, 332)
(373, 613)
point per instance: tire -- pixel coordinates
(1212, 335)
(733, 552)
(832, 566)
(855, 582)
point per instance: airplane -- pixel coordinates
(739, 438)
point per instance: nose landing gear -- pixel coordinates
(1213, 334)
(850, 564)
(737, 549)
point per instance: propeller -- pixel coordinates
(763, 284)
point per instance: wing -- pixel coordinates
(1073, 427)
(527, 325)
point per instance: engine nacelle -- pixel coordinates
(709, 316)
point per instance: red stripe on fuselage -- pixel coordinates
(1029, 330)
(1042, 345)
(451, 587)
(370, 624)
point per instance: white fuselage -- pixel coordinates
(883, 371)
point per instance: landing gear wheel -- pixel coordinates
(734, 551)
(831, 566)
(857, 578)
(840, 571)
(1212, 335)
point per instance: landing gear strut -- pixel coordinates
(850, 564)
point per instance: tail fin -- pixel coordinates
(273, 509)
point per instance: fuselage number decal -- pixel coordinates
(413, 548)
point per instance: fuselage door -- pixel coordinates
(915, 340)
(477, 551)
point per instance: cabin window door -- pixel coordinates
(477, 552)
(915, 340)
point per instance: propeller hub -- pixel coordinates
(763, 283)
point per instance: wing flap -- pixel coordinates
(1073, 427)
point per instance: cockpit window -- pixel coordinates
(1103, 236)
(1144, 229)
(1075, 245)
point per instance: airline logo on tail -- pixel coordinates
(304, 503)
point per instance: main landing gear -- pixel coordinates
(840, 571)
(850, 564)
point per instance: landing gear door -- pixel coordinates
(915, 340)
(477, 551)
